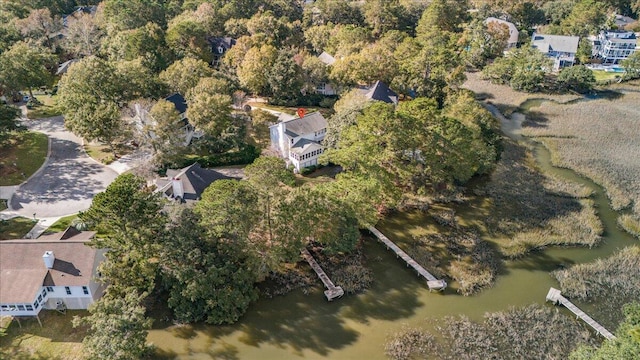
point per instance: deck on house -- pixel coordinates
(332, 291)
(556, 297)
(432, 282)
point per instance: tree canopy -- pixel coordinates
(415, 146)
(8, 121)
(25, 66)
(90, 96)
(117, 328)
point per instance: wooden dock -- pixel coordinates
(556, 297)
(432, 282)
(332, 291)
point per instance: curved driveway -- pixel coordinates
(67, 182)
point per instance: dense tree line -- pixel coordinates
(420, 48)
(418, 146)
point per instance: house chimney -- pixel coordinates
(283, 142)
(178, 191)
(49, 259)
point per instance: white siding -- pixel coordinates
(76, 300)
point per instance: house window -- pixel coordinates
(5, 307)
(21, 307)
(36, 305)
(39, 297)
(29, 308)
(68, 290)
(85, 290)
(44, 292)
(49, 288)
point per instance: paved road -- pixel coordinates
(68, 181)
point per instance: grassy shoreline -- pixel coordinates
(596, 138)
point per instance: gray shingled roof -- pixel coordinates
(62, 68)
(326, 58)
(306, 125)
(513, 30)
(195, 180)
(546, 43)
(305, 145)
(71, 233)
(380, 92)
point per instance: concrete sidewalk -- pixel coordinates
(129, 161)
(40, 227)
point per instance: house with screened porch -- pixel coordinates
(299, 140)
(55, 272)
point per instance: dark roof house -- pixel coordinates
(189, 183)
(380, 92)
(220, 45)
(179, 102)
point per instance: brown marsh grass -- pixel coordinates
(517, 333)
(619, 273)
(630, 224)
(529, 332)
(611, 282)
(597, 138)
(503, 96)
(532, 210)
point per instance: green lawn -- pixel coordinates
(56, 339)
(322, 175)
(602, 75)
(15, 228)
(23, 156)
(102, 153)
(62, 224)
(48, 108)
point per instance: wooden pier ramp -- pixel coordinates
(332, 291)
(432, 282)
(556, 297)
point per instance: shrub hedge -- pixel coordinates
(243, 156)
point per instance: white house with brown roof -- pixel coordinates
(52, 272)
(299, 140)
